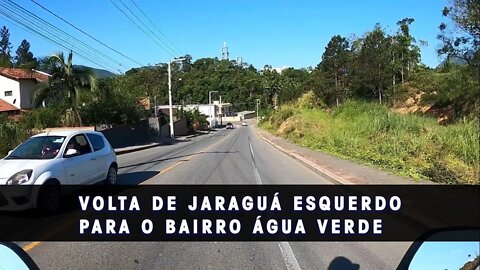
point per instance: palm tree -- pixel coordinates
(66, 83)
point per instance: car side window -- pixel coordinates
(97, 141)
(79, 143)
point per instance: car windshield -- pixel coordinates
(42, 147)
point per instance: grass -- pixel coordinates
(407, 145)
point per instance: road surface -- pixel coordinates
(237, 156)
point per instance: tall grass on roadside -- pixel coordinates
(408, 145)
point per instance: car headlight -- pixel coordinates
(20, 177)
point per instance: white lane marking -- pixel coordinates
(258, 179)
(287, 253)
(251, 149)
(285, 248)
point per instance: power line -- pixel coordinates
(85, 33)
(20, 10)
(27, 25)
(154, 25)
(43, 28)
(166, 46)
(26, 28)
(139, 27)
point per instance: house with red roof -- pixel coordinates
(8, 108)
(17, 88)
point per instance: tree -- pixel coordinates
(294, 82)
(374, 64)
(5, 48)
(465, 15)
(24, 58)
(334, 64)
(464, 43)
(110, 105)
(272, 86)
(404, 49)
(146, 82)
(66, 83)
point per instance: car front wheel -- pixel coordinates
(111, 176)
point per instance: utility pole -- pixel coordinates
(170, 105)
(221, 111)
(258, 103)
(210, 106)
(156, 115)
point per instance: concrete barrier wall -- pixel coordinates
(180, 127)
(249, 116)
(128, 135)
(143, 132)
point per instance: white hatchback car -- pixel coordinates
(59, 158)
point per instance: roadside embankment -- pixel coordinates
(407, 145)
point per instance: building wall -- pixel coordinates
(227, 110)
(22, 92)
(230, 119)
(7, 84)
(27, 90)
(206, 110)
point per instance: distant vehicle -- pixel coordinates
(229, 126)
(49, 160)
(244, 124)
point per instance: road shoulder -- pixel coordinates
(336, 169)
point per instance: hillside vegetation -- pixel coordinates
(407, 145)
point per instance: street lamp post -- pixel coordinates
(156, 115)
(170, 106)
(258, 103)
(210, 105)
(220, 106)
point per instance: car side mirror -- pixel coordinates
(13, 257)
(10, 152)
(445, 249)
(71, 152)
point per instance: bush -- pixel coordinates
(193, 117)
(11, 134)
(309, 100)
(41, 118)
(280, 116)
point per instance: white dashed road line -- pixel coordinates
(285, 248)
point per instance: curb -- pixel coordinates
(197, 134)
(126, 151)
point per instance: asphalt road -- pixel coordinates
(237, 156)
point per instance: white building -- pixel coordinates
(17, 86)
(213, 112)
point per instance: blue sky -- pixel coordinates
(276, 32)
(444, 255)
